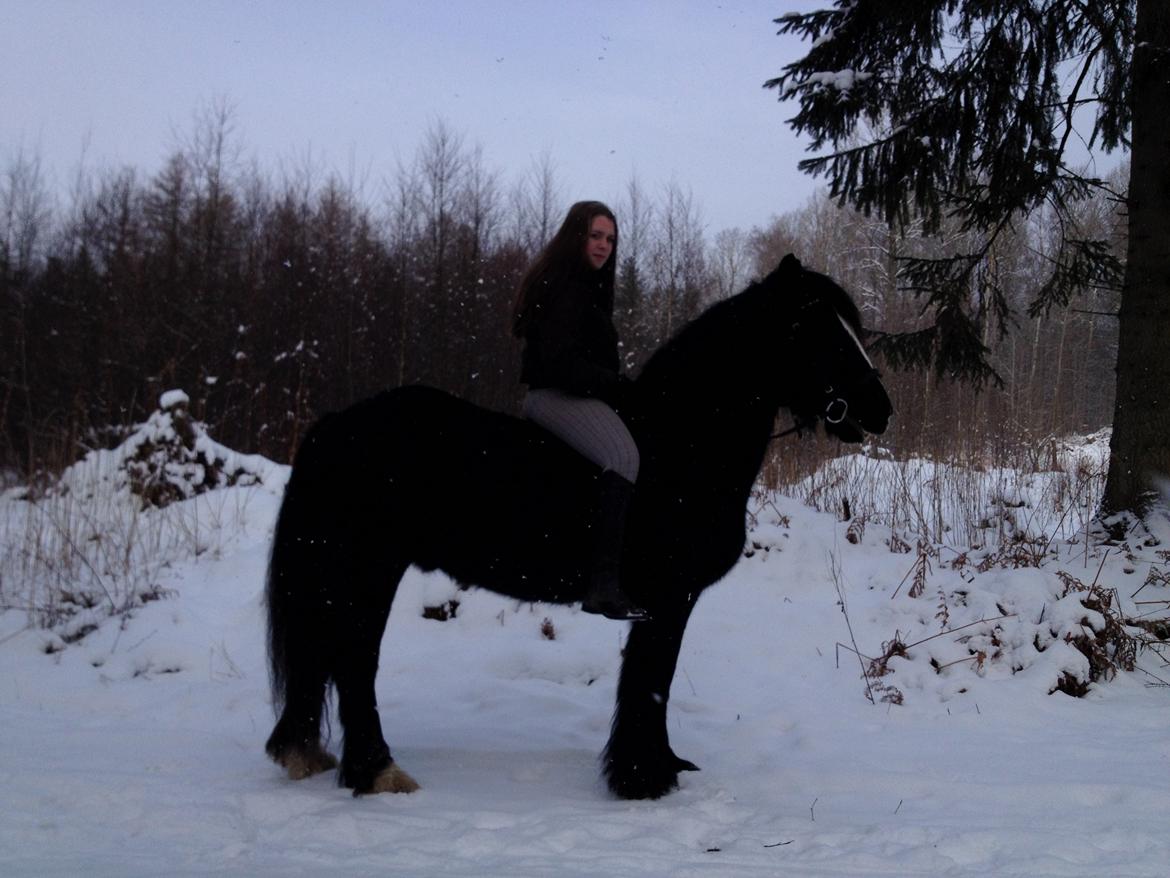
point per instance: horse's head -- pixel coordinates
(839, 386)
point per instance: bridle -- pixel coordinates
(835, 411)
(835, 408)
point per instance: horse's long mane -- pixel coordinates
(755, 313)
(842, 302)
(703, 344)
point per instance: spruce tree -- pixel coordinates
(964, 112)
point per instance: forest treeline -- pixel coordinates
(272, 298)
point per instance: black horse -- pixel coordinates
(372, 486)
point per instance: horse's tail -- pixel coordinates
(300, 643)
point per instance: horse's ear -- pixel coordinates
(789, 267)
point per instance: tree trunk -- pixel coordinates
(1140, 448)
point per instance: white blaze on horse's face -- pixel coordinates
(856, 340)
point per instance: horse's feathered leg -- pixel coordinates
(638, 760)
(330, 586)
(299, 684)
(364, 606)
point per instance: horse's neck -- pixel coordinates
(710, 395)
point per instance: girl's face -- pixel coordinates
(599, 244)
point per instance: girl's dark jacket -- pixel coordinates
(571, 343)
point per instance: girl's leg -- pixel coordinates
(587, 425)
(596, 432)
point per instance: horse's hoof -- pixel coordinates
(642, 787)
(392, 779)
(615, 606)
(648, 779)
(305, 763)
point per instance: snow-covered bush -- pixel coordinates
(171, 457)
(98, 540)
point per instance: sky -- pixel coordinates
(667, 92)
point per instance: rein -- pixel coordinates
(795, 428)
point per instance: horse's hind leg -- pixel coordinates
(295, 743)
(366, 764)
(300, 670)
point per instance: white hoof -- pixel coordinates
(301, 764)
(393, 779)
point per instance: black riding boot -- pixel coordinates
(605, 595)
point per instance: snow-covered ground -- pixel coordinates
(137, 749)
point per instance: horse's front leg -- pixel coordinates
(638, 761)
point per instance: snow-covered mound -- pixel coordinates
(97, 541)
(167, 458)
(171, 457)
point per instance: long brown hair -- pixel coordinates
(562, 260)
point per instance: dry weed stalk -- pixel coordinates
(835, 574)
(879, 667)
(920, 570)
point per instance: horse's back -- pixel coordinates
(445, 484)
(448, 440)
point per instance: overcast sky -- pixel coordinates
(667, 91)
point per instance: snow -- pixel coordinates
(839, 80)
(173, 399)
(137, 749)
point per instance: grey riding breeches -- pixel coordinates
(589, 426)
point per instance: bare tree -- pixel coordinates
(405, 226)
(479, 206)
(25, 212)
(730, 261)
(635, 214)
(537, 204)
(677, 261)
(441, 163)
(25, 217)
